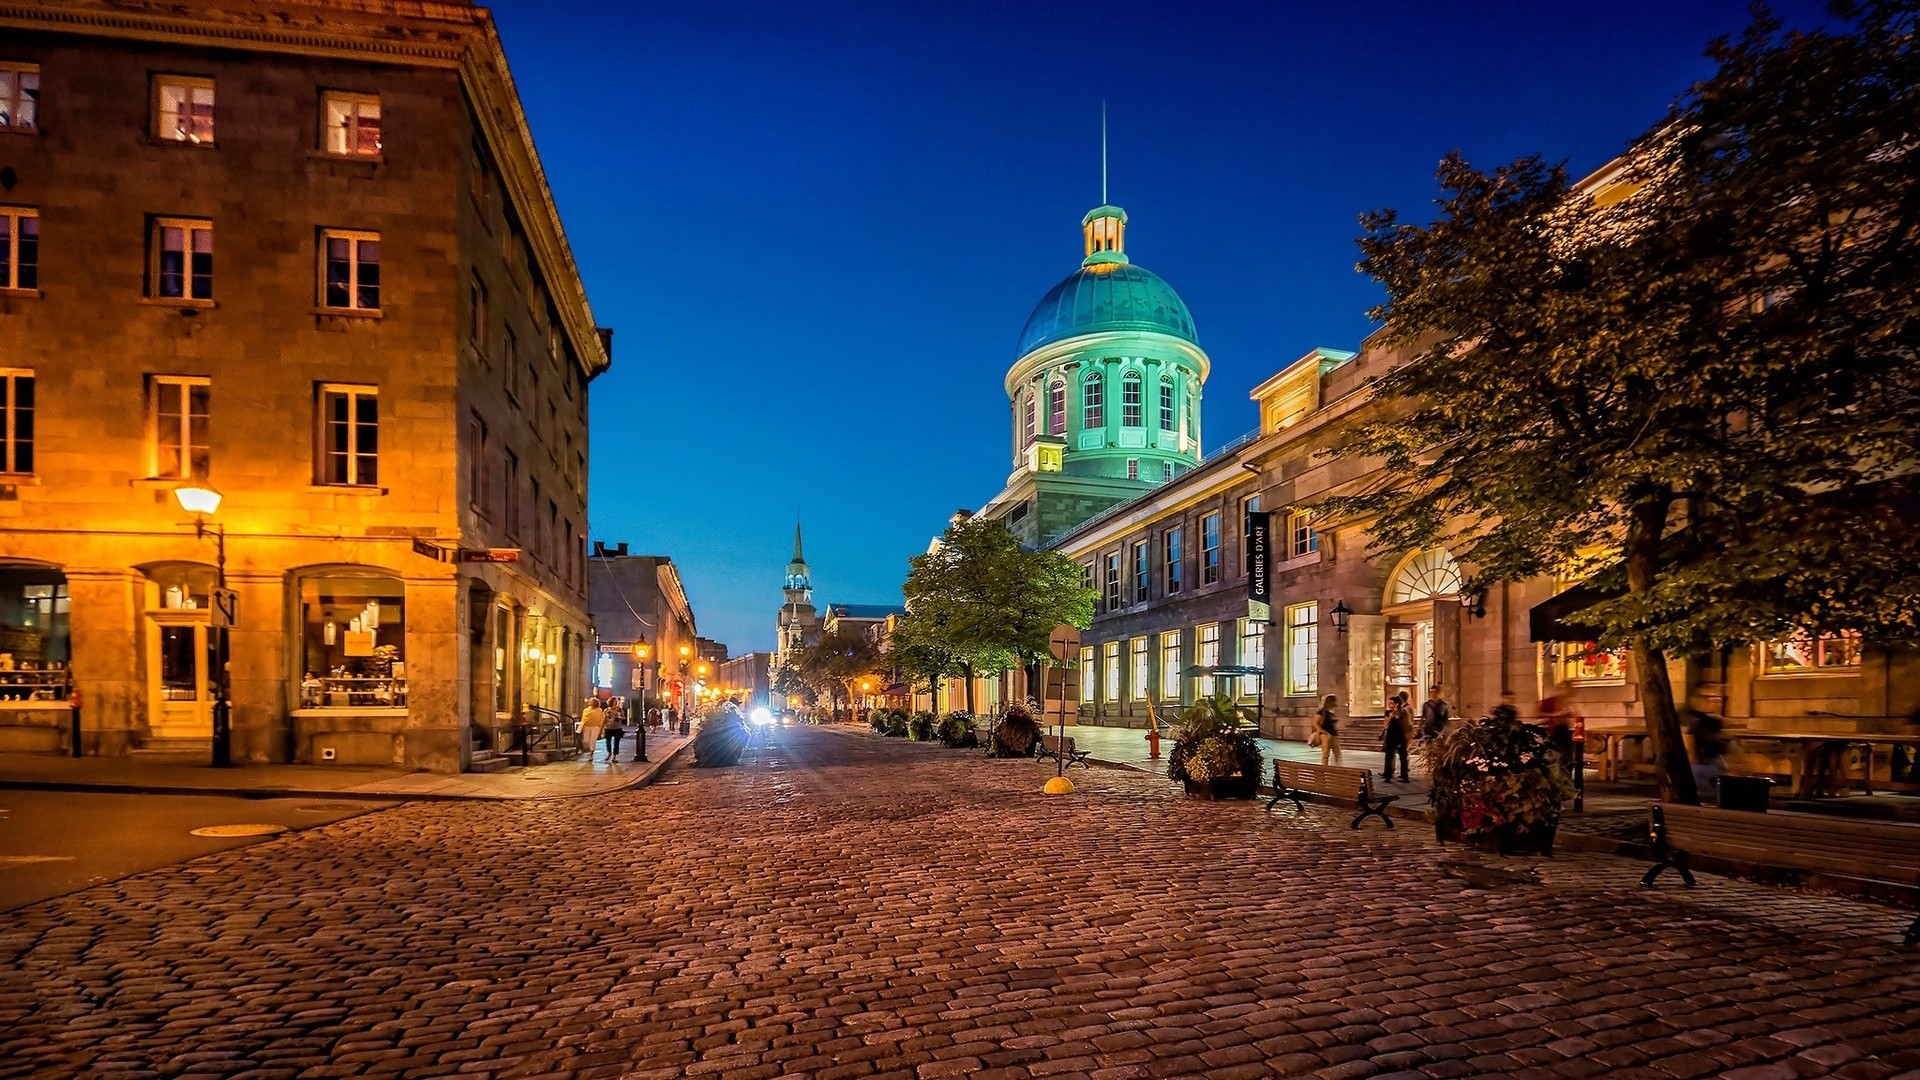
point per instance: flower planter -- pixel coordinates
(1225, 787)
(1504, 840)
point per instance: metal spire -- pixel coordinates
(1103, 151)
(797, 557)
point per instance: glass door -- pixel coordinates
(180, 701)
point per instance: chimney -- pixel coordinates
(599, 549)
(621, 550)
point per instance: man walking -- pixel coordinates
(1397, 736)
(1434, 714)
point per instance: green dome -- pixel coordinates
(1107, 296)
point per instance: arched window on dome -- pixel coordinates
(1093, 403)
(1057, 406)
(1166, 403)
(1027, 407)
(1130, 403)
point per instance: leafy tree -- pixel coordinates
(787, 682)
(986, 603)
(1705, 392)
(835, 662)
(920, 650)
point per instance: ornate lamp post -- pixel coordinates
(642, 652)
(202, 501)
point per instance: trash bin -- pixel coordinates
(1744, 792)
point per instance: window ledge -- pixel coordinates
(348, 313)
(349, 710)
(179, 302)
(158, 140)
(19, 480)
(1813, 673)
(24, 294)
(346, 489)
(349, 159)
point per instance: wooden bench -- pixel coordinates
(1050, 747)
(1293, 779)
(1886, 851)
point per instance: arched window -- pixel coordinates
(1027, 406)
(1057, 406)
(1130, 399)
(1166, 403)
(1423, 576)
(1093, 403)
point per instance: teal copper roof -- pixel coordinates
(1107, 297)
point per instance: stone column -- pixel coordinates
(262, 647)
(108, 658)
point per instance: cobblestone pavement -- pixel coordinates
(851, 906)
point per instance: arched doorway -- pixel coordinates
(174, 634)
(1413, 657)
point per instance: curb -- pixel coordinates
(659, 765)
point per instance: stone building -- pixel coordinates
(750, 676)
(304, 254)
(798, 624)
(635, 597)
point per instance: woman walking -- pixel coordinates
(592, 720)
(1326, 725)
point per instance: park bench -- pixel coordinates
(1354, 787)
(1052, 746)
(1882, 851)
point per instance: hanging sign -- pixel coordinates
(1260, 558)
(492, 555)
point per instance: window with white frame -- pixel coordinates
(182, 267)
(1110, 670)
(349, 435)
(1303, 649)
(19, 248)
(183, 109)
(1170, 665)
(1130, 399)
(1207, 654)
(1137, 653)
(1802, 653)
(1173, 561)
(1166, 403)
(1302, 540)
(1210, 549)
(1142, 561)
(352, 123)
(1087, 675)
(16, 421)
(19, 96)
(1027, 406)
(1113, 581)
(1057, 406)
(349, 270)
(1166, 470)
(1093, 408)
(1253, 654)
(177, 407)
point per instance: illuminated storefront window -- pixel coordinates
(355, 642)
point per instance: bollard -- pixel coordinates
(1153, 743)
(73, 699)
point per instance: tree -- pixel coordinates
(918, 649)
(1704, 394)
(988, 603)
(832, 664)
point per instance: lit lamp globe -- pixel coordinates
(197, 499)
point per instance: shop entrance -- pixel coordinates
(179, 668)
(1411, 661)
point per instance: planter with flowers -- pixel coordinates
(1497, 785)
(1212, 756)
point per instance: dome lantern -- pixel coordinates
(1105, 228)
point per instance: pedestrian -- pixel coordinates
(1556, 716)
(614, 733)
(1434, 714)
(1710, 742)
(1397, 735)
(593, 720)
(1326, 729)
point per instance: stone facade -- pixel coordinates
(362, 438)
(635, 597)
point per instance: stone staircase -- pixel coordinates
(486, 761)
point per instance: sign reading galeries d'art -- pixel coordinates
(1259, 565)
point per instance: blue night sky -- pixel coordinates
(816, 229)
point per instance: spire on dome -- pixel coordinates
(1105, 226)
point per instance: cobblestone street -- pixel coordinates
(851, 906)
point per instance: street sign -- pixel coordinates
(1064, 643)
(431, 550)
(493, 555)
(636, 678)
(226, 607)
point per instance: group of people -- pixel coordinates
(1397, 735)
(605, 721)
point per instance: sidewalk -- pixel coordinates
(159, 774)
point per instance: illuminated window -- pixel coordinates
(1141, 561)
(1207, 654)
(349, 435)
(177, 421)
(352, 123)
(1253, 653)
(1587, 662)
(183, 109)
(1303, 649)
(19, 248)
(1087, 674)
(1130, 399)
(1113, 582)
(1424, 575)
(16, 421)
(1803, 653)
(1166, 403)
(1110, 669)
(1173, 561)
(1210, 549)
(1137, 653)
(1057, 406)
(1093, 409)
(355, 641)
(1027, 407)
(1170, 665)
(350, 270)
(182, 267)
(19, 96)
(1302, 540)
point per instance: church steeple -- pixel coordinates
(799, 587)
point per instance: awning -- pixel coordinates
(1557, 618)
(897, 688)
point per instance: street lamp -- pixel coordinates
(202, 501)
(1340, 615)
(642, 651)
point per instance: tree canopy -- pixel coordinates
(1692, 379)
(831, 664)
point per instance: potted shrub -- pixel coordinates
(920, 727)
(1497, 785)
(1212, 756)
(956, 731)
(1016, 735)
